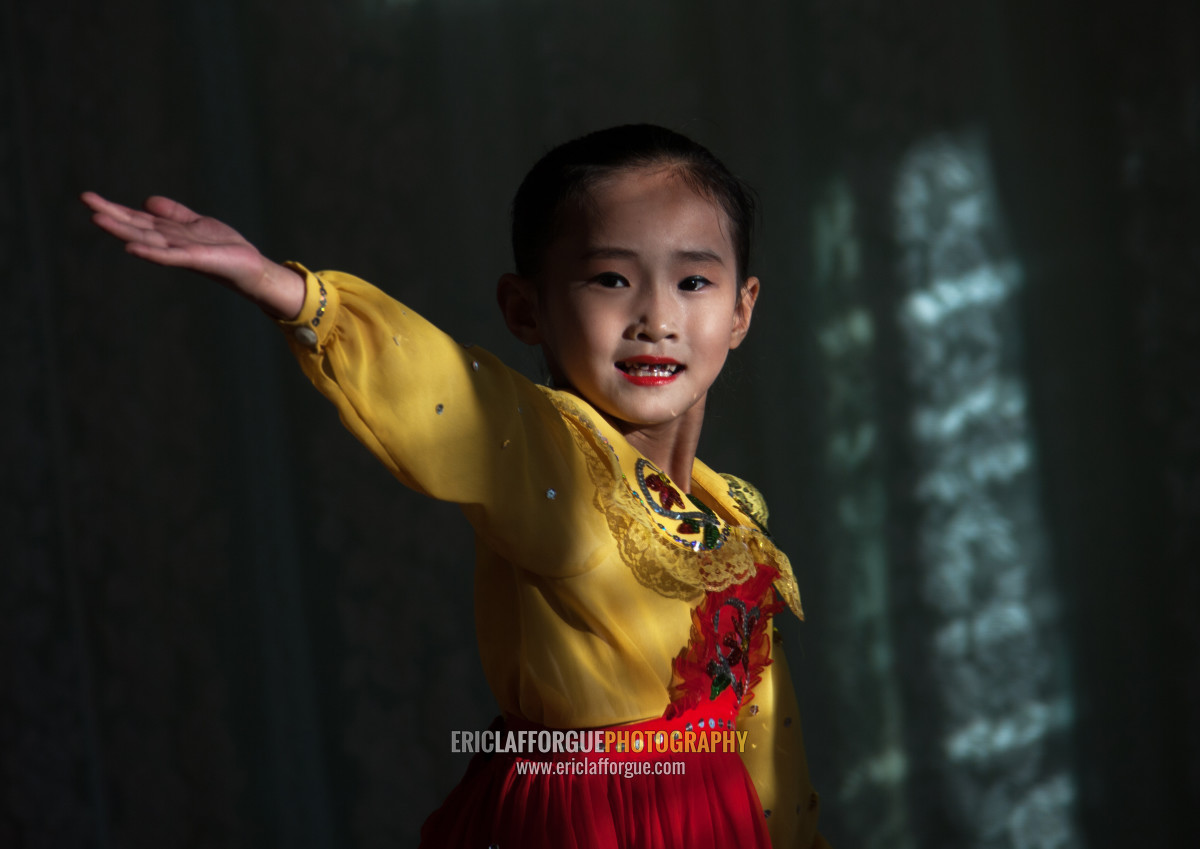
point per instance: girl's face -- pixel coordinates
(637, 303)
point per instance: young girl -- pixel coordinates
(620, 583)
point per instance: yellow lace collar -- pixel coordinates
(677, 545)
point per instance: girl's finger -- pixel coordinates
(129, 231)
(172, 210)
(114, 210)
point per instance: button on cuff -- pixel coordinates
(310, 327)
(306, 336)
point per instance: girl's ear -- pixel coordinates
(517, 297)
(745, 308)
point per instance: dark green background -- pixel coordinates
(222, 625)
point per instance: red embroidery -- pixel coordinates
(729, 647)
(667, 495)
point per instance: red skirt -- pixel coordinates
(645, 799)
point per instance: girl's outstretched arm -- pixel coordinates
(168, 233)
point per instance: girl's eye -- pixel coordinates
(611, 280)
(693, 284)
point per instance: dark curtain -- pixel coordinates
(971, 397)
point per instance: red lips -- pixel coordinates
(649, 371)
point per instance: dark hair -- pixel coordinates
(566, 175)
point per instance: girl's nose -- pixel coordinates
(654, 319)
(654, 333)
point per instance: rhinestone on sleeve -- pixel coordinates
(321, 303)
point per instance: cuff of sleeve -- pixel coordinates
(312, 326)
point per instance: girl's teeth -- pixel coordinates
(651, 370)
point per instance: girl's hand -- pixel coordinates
(168, 233)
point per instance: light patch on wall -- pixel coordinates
(858, 605)
(984, 739)
(980, 541)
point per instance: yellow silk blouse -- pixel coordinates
(583, 594)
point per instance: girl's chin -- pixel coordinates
(629, 406)
(630, 418)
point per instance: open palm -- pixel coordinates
(169, 233)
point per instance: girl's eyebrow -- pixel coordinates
(700, 256)
(695, 255)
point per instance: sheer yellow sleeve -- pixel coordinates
(448, 421)
(775, 758)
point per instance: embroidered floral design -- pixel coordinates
(700, 521)
(668, 496)
(721, 668)
(729, 645)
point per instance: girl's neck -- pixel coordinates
(671, 446)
